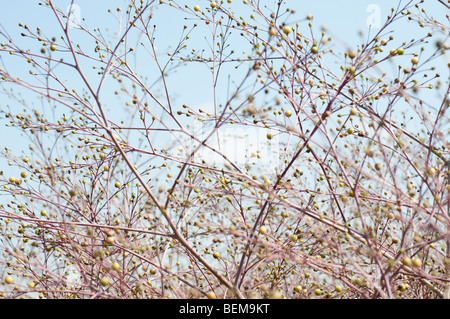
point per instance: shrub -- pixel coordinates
(130, 189)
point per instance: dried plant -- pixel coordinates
(336, 188)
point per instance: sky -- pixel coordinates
(348, 22)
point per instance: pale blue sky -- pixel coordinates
(344, 19)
